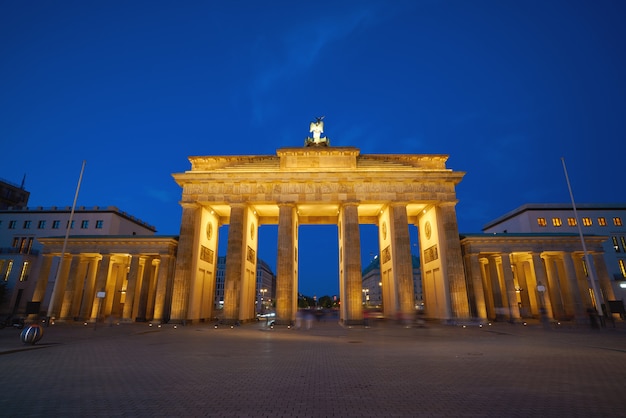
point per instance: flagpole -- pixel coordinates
(55, 290)
(594, 285)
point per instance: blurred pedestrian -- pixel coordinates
(309, 319)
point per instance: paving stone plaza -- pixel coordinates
(387, 370)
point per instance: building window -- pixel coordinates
(16, 242)
(56, 224)
(622, 267)
(24, 273)
(571, 221)
(41, 225)
(615, 244)
(27, 224)
(8, 272)
(556, 222)
(617, 221)
(12, 224)
(587, 222)
(70, 226)
(602, 221)
(99, 224)
(84, 224)
(541, 221)
(623, 240)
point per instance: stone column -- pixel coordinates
(542, 280)
(555, 287)
(351, 264)
(56, 300)
(143, 312)
(151, 288)
(528, 294)
(402, 259)
(233, 275)
(161, 288)
(602, 275)
(89, 291)
(42, 280)
(112, 287)
(79, 287)
(141, 289)
(494, 280)
(451, 244)
(75, 279)
(101, 280)
(474, 271)
(131, 289)
(490, 305)
(286, 265)
(509, 284)
(574, 302)
(184, 262)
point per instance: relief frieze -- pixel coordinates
(280, 188)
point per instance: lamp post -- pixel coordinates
(366, 296)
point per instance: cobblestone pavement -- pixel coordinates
(502, 370)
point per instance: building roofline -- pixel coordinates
(553, 206)
(80, 209)
(527, 234)
(109, 237)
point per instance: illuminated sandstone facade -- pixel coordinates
(512, 276)
(128, 278)
(319, 185)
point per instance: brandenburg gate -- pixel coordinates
(318, 184)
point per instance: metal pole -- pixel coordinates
(594, 286)
(55, 290)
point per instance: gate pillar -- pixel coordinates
(350, 279)
(286, 265)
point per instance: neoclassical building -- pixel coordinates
(128, 278)
(512, 276)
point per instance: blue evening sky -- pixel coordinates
(505, 88)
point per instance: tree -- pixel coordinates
(326, 302)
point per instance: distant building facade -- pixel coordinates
(373, 284)
(265, 285)
(12, 195)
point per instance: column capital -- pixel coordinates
(447, 204)
(189, 205)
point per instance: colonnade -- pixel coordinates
(91, 286)
(530, 283)
(194, 281)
